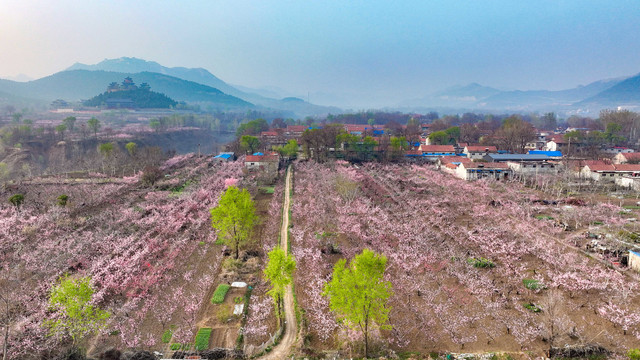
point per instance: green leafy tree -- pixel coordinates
(279, 272)
(132, 148)
(290, 150)
(249, 143)
(94, 124)
(77, 316)
(60, 129)
(62, 200)
(16, 200)
(234, 218)
(69, 122)
(155, 125)
(358, 294)
(105, 149)
(439, 138)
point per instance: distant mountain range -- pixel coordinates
(203, 76)
(81, 81)
(609, 93)
(77, 85)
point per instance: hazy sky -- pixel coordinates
(376, 51)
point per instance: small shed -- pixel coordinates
(225, 156)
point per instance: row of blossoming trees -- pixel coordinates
(458, 254)
(148, 252)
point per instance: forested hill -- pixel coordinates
(140, 98)
(83, 84)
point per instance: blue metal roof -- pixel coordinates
(258, 154)
(223, 156)
(635, 253)
(548, 153)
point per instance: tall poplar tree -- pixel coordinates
(234, 218)
(358, 294)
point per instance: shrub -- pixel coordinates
(481, 262)
(533, 284)
(220, 293)
(634, 354)
(62, 200)
(166, 336)
(231, 264)
(151, 174)
(533, 307)
(16, 200)
(238, 300)
(202, 339)
(175, 347)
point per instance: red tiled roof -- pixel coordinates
(261, 158)
(269, 133)
(451, 166)
(480, 148)
(602, 167)
(296, 128)
(452, 159)
(631, 156)
(627, 167)
(361, 128)
(437, 148)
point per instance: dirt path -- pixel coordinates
(291, 327)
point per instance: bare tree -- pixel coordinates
(556, 323)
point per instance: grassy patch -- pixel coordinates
(532, 284)
(202, 339)
(166, 336)
(225, 313)
(267, 189)
(631, 207)
(220, 293)
(543, 217)
(178, 346)
(532, 307)
(481, 262)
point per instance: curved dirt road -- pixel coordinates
(283, 349)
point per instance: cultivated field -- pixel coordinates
(464, 260)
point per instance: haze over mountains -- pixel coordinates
(198, 85)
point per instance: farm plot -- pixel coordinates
(462, 260)
(149, 251)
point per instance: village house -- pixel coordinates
(449, 164)
(517, 157)
(533, 167)
(225, 157)
(608, 172)
(628, 157)
(478, 151)
(435, 151)
(267, 163)
(538, 143)
(557, 142)
(294, 131)
(479, 170)
(364, 130)
(617, 150)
